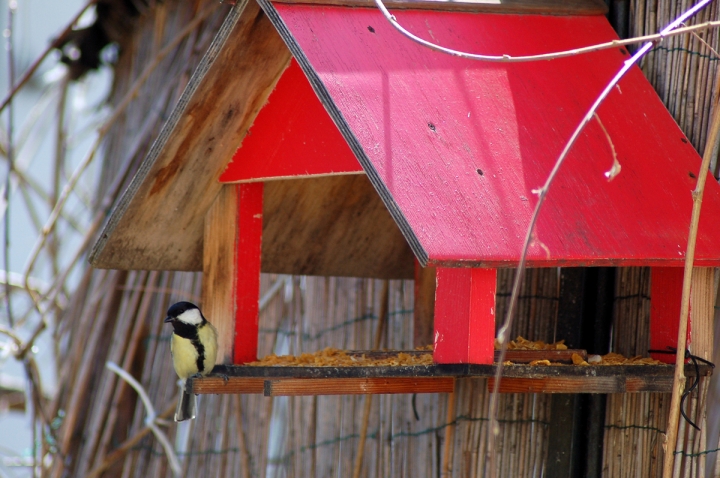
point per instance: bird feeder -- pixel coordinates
(316, 139)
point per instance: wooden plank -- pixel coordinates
(457, 370)
(465, 315)
(586, 384)
(292, 137)
(357, 386)
(551, 7)
(457, 169)
(421, 379)
(233, 385)
(557, 385)
(702, 312)
(158, 222)
(220, 269)
(332, 226)
(249, 223)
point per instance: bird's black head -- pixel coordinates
(185, 312)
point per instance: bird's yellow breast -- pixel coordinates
(185, 354)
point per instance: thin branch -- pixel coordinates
(11, 333)
(679, 377)
(151, 419)
(16, 280)
(706, 44)
(122, 450)
(12, 6)
(616, 166)
(38, 61)
(102, 131)
(658, 37)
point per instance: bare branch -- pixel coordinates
(616, 166)
(151, 419)
(38, 61)
(656, 38)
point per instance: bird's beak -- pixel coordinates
(169, 319)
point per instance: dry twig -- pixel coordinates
(152, 417)
(656, 38)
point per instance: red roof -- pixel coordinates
(455, 147)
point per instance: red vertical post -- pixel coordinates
(665, 300)
(465, 315)
(247, 281)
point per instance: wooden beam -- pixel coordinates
(357, 386)
(615, 384)
(665, 295)
(220, 269)
(548, 7)
(702, 312)
(247, 280)
(234, 385)
(429, 379)
(231, 270)
(465, 315)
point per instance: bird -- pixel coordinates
(193, 347)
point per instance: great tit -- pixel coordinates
(193, 347)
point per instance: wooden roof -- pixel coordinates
(452, 147)
(158, 222)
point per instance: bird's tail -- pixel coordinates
(186, 407)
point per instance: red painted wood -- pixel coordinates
(459, 145)
(247, 291)
(465, 315)
(292, 136)
(665, 299)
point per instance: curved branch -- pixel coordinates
(655, 38)
(151, 419)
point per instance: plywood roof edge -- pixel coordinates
(345, 130)
(543, 7)
(160, 142)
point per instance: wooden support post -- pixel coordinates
(231, 270)
(702, 312)
(218, 291)
(424, 309)
(247, 283)
(465, 315)
(665, 296)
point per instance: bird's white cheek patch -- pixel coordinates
(192, 317)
